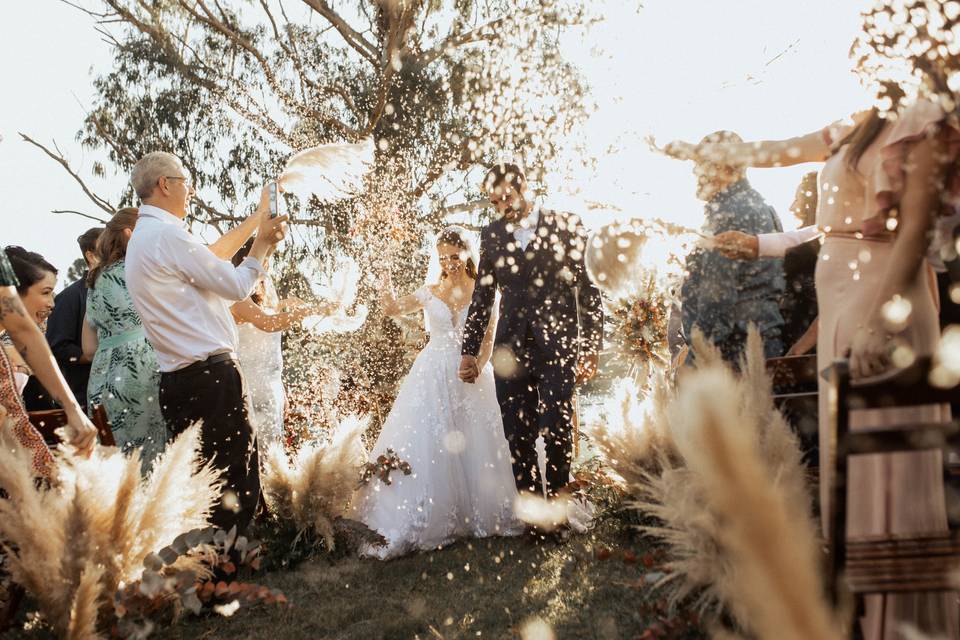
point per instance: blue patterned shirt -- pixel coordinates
(723, 297)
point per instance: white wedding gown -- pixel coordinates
(261, 360)
(451, 433)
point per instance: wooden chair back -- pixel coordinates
(47, 423)
(887, 564)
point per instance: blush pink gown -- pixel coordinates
(895, 493)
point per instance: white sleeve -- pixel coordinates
(775, 245)
(196, 264)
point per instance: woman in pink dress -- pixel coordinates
(875, 217)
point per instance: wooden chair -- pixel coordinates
(890, 563)
(47, 423)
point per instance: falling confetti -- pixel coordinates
(328, 172)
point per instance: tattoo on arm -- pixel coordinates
(11, 305)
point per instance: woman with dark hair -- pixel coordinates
(449, 431)
(261, 320)
(124, 375)
(22, 329)
(883, 183)
(37, 279)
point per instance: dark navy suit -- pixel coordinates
(550, 315)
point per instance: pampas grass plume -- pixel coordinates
(779, 593)
(316, 487)
(73, 545)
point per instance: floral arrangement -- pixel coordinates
(382, 467)
(638, 330)
(200, 570)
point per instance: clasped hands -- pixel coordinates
(469, 369)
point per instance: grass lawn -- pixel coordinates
(473, 589)
(583, 588)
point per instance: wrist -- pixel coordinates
(73, 410)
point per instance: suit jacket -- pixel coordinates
(64, 331)
(722, 296)
(545, 290)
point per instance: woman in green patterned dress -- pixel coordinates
(124, 376)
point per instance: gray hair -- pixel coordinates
(149, 169)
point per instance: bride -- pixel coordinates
(450, 432)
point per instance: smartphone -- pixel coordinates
(274, 199)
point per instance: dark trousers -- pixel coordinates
(214, 393)
(536, 397)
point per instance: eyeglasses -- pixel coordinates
(186, 181)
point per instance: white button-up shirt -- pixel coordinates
(526, 229)
(182, 291)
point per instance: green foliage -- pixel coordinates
(286, 546)
(76, 271)
(171, 581)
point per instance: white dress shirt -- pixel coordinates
(526, 229)
(182, 291)
(775, 245)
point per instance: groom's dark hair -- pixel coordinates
(500, 173)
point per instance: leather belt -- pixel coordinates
(216, 358)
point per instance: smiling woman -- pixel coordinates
(37, 279)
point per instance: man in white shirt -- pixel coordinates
(183, 290)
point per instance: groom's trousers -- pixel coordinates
(535, 393)
(213, 392)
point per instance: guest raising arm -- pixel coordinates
(261, 318)
(265, 312)
(32, 345)
(886, 180)
(183, 292)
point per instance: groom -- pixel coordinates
(550, 328)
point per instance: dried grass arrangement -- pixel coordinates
(720, 472)
(312, 492)
(73, 545)
(638, 329)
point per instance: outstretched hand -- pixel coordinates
(737, 245)
(80, 433)
(680, 150)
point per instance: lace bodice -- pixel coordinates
(445, 326)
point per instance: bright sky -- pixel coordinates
(672, 68)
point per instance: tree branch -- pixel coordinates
(79, 213)
(360, 44)
(209, 19)
(483, 32)
(97, 200)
